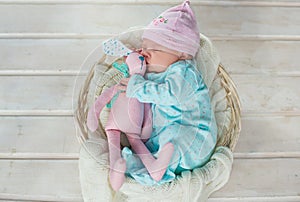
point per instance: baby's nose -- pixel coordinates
(143, 53)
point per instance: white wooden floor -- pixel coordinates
(44, 42)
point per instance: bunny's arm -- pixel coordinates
(147, 123)
(96, 108)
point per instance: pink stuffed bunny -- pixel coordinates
(133, 118)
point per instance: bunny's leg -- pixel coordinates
(147, 124)
(156, 167)
(117, 164)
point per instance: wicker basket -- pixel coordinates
(227, 137)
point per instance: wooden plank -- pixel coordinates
(43, 179)
(269, 134)
(38, 92)
(263, 94)
(38, 135)
(45, 54)
(260, 57)
(40, 180)
(263, 177)
(55, 137)
(227, 20)
(250, 57)
(258, 94)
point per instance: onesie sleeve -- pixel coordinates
(171, 92)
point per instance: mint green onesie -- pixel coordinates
(182, 114)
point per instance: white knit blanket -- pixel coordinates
(194, 185)
(190, 186)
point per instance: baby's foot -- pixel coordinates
(159, 167)
(117, 174)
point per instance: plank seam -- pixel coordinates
(36, 112)
(266, 155)
(75, 156)
(39, 156)
(37, 72)
(19, 197)
(45, 112)
(22, 197)
(288, 198)
(154, 2)
(43, 73)
(237, 37)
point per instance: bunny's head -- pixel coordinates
(136, 63)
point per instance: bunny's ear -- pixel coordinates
(122, 68)
(114, 47)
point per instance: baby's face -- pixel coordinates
(157, 57)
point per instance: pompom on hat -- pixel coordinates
(176, 29)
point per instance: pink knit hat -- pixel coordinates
(176, 29)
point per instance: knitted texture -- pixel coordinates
(189, 186)
(176, 28)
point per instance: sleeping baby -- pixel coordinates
(179, 98)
